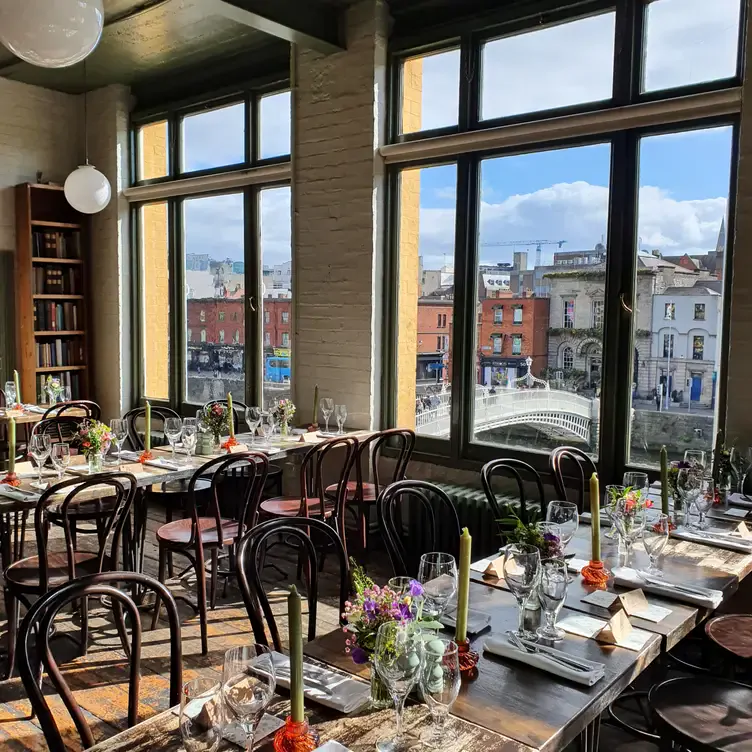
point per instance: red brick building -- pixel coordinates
(434, 339)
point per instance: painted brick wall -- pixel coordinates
(337, 194)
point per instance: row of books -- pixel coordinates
(57, 244)
(53, 280)
(57, 317)
(66, 378)
(60, 352)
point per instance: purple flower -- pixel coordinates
(359, 655)
(415, 589)
(404, 613)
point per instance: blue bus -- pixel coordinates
(276, 369)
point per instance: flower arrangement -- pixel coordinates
(54, 388)
(528, 533)
(215, 419)
(96, 438)
(633, 500)
(283, 413)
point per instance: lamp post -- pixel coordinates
(670, 314)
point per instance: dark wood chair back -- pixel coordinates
(60, 429)
(250, 564)
(76, 408)
(430, 504)
(3, 400)
(518, 470)
(238, 411)
(340, 452)
(35, 654)
(581, 465)
(158, 415)
(400, 439)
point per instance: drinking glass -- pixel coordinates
(695, 457)
(189, 436)
(628, 514)
(654, 538)
(638, 482)
(440, 684)
(552, 590)
(248, 682)
(521, 570)
(397, 658)
(704, 500)
(201, 715)
(327, 408)
(119, 430)
(173, 428)
(340, 413)
(438, 575)
(66, 394)
(566, 515)
(39, 448)
(688, 484)
(10, 393)
(60, 457)
(551, 533)
(253, 418)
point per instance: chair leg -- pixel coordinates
(11, 608)
(170, 568)
(84, 625)
(161, 577)
(201, 584)
(364, 524)
(119, 619)
(214, 578)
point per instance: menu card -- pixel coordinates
(633, 602)
(490, 567)
(616, 631)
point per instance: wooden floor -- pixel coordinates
(100, 679)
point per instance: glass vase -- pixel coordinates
(95, 462)
(284, 428)
(380, 697)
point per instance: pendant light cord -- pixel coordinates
(86, 119)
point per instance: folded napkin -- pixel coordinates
(504, 649)
(700, 596)
(17, 494)
(324, 686)
(719, 539)
(130, 456)
(477, 621)
(331, 746)
(166, 464)
(34, 409)
(740, 500)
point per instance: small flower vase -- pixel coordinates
(296, 737)
(380, 697)
(284, 428)
(95, 461)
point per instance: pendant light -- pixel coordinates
(51, 33)
(86, 188)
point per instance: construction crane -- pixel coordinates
(537, 243)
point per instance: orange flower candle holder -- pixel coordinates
(296, 737)
(596, 574)
(145, 456)
(230, 443)
(468, 659)
(11, 479)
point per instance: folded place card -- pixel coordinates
(495, 568)
(616, 631)
(238, 448)
(604, 599)
(636, 604)
(576, 565)
(743, 531)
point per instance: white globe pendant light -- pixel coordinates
(51, 33)
(87, 189)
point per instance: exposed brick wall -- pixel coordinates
(337, 194)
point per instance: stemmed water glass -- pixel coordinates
(340, 413)
(173, 428)
(397, 658)
(10, 394)
(654, 538)
(637, 482)
(253, 418)
(688, 485)
(704, 500)
(521, 571)
(695, 457)
(552, 590)
(439, 684)
(119, 430)
(438, 575)
(66, 394)
(39, 448)
(60, 457)
(248, 683)
(627, 510)
(327, 408)
(201, 715)
(189, 436)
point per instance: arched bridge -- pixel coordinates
(509, 407)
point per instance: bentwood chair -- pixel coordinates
(362, 494)
(76, 408)
(108, 495)
(205, 530)
(64, 428)
(250, 564)
(158, 417)
(583, 468)
(431, 519)
(36, 654)
(520, 471)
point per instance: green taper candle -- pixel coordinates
(463, 585)
(595, 517)
(147, 428)
(315, 404)
(17, 382)
(296, 656)
(230, 415)
(11, 445)
(664, 480)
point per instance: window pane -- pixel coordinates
(538, 370)
(690, 41)
(153, 154)
(155, 296)
(557, 66)
(213, 138)
(274, 125)
(430, 91)
(684, 183)
(215, 290)
(425, 298)
(276, 260)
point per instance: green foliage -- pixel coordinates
(559, 331)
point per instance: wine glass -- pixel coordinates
(695, 457)
(552, 591)
(628, 513)
(327, 408)
(189, 436)
(270, 419)
(397, 658)
(654, 538)
(248, 683)
(704, 500)
(66, 393)
(39, 448)
(253, 418)
(340, 413)
(521, 570)
(173, 428)
(119, 430)
(551, 533)
(688, 483)
(566, 515)
(637, 482)
(438, 575)
(439, 684)
(10, 394)
(201, 715)
(60, 457)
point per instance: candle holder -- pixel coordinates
(11, 479)
(468, 659)
(145, 455)
(596, 574)
(296, 736)
(229, 444)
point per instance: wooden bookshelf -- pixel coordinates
(51, 290)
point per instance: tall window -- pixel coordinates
(497, 344)
(698, 347)
(699, 312)
(569, 314)
(567, 359)
(285, 317)
(274, 125)
(213, 138)
(499, 315)
(516, 344)
(668, 345)
(517, 315)
(597, 314)
(669, 311)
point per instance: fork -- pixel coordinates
(534, 649)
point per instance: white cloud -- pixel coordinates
(275, 230)
(214, 225)
(274, 125)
